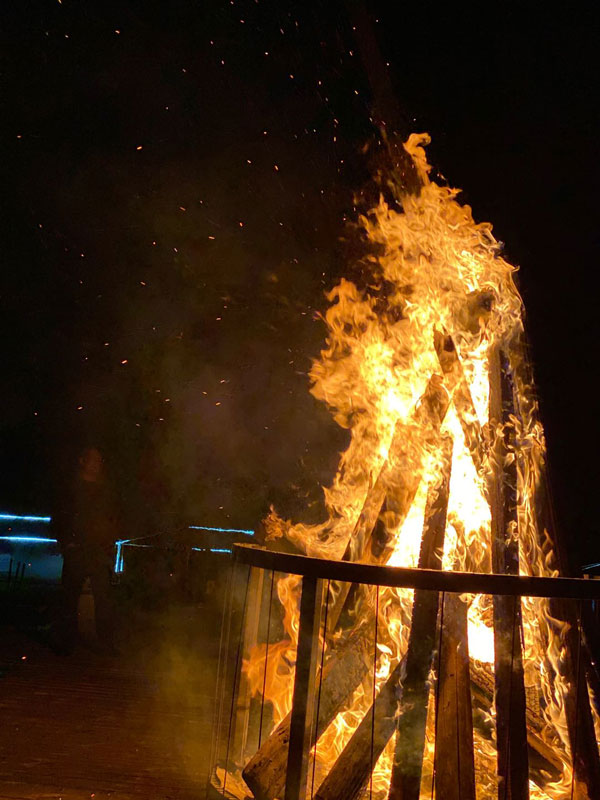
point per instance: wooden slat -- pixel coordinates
(250, 638)
(304, 683)
(454, 756)
(409, 578)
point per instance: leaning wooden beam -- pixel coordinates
(510, 702)
(398, 473)
(265, 772)
(412, 713)
(454, 765)
(386, 110)
(462, 399)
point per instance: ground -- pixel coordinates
(92, 726)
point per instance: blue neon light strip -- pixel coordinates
(119, 557)
(221, 530)
(17, 517)
(120, 560)
(27, 539)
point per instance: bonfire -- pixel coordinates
(426, 365)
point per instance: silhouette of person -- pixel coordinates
(86, 530)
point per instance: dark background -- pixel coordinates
(176, 180)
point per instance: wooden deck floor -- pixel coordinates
(88, 726)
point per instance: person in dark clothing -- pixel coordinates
(86, 531)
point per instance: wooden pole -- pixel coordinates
(387, 114)
(510, 701)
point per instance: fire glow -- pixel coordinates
(407, 370)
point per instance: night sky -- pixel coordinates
(178, 177)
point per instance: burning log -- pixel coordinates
(396, 474)
(511, 723)
(265, 773)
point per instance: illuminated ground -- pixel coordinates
(91, 726)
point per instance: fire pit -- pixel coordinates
(425, 645)
(458, 722)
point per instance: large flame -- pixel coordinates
(432, 269)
